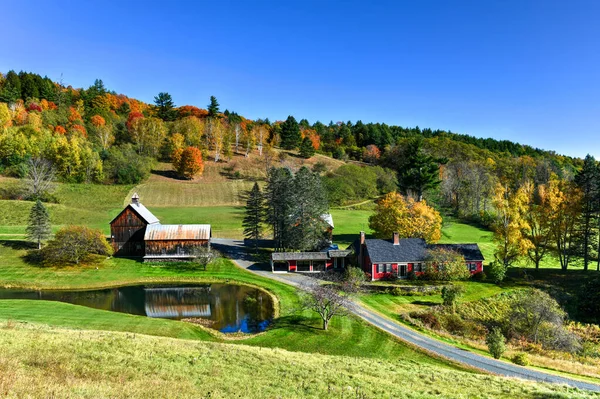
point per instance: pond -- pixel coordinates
(228, 308)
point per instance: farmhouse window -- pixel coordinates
(380, 268)
(388, 268)
(417, 267)
(472, 267)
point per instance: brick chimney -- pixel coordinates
(362, 237)
(396, 238)
(360, 249)
(135, 199)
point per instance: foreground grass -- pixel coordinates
(38, 361)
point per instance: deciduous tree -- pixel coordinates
(190, 163)
(74, 244)
(409, 218)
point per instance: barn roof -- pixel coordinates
(327, 218)
(144, 213)
(158, 232)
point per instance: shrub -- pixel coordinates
(75, 244)
(521, 359)
(450, 294)
(479, 276)
(497, 272)
(397, 291)
(428, 319)
(454, 324)
(319, 167)
(354, 278)
(496, 343)
(445, 265)
(412, 276)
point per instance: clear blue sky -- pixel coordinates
(527, 71)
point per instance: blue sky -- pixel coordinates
(527, 71)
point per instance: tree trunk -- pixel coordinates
(325, 324)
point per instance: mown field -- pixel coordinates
(38, 361)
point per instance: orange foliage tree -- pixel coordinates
(188, 162)
(60, 130)
(190, 110)
(371, 154)
(97, 121)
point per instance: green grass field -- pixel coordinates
(45, 362)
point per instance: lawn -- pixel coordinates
(48, 362)
(294, 329)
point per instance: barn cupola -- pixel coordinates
(135, 199)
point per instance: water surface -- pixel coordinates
(228, 308)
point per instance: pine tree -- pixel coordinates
(38, 228)
(279, 205)
(255, 215)
(306, 148)
(290, 133)
(587, 181)
(165, 107)
(213, 107)
(419, 172)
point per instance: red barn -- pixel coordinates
(398, 257)
(137, 232)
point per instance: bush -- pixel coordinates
(354, 278)
(479, 276)
(521, 359)
(445, 265)
(496, 343)
(450, 294)
(75, 244)
(497, 272)
(428, 319)
(454, 324)
(123, 165)
(412, 276)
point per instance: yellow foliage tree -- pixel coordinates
(564, 202)
(5, 117)
(510, 225)
(409, 218)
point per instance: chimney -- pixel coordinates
(360, 249)
(362, 237)
(396, 238)
(135, 199)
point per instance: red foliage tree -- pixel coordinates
(132, 117)
(74, 115)
(371, 154)
(190, 163)
(34, 107)
(97, 121)
(190, 110)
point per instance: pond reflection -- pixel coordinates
(228, 308)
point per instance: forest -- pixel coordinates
(537, 201)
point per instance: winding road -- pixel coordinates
(237, 252)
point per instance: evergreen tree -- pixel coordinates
(418, 172)
(306, 148)
(587, 181)
(255, 215)
(290, 133)
(38, 228)
(165, 107)
(307, 230)
(279, 205)
(29, 88)
(213, 107)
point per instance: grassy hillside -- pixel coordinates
(37, 361)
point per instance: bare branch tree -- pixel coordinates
(326, 300)
(40, 178)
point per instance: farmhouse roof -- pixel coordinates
(159, 232)
(414, 250)
(323, 255)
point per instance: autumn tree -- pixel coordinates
(371, 153)
(189, 163)
(249, 139)
(217, 137)
(191, 128)
(75, 244)
(5, 117)
(38, 227)
(409, 218)
(443, 264)
(101, 131)
(510, 225)
(537, 217)
(564, 202)
(149, 135)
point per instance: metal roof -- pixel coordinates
(327, 218)
(299, 256)
(144, 213)
(157, 232)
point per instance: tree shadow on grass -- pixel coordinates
(425, 303)
(171, 174)
(297, 323)
(18, 244)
